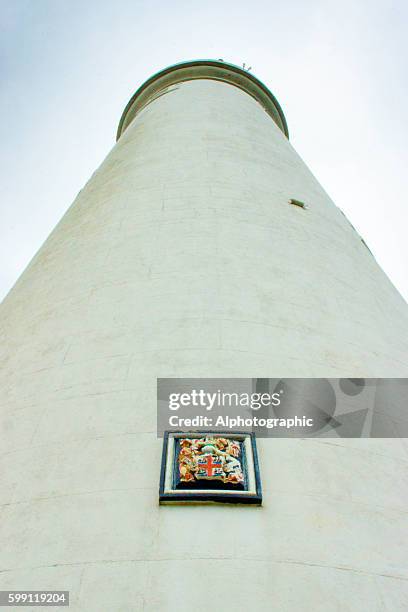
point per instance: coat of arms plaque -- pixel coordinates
(210, 467)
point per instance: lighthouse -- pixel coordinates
(203, 246)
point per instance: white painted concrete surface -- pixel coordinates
(182, 257)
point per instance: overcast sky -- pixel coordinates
(338, 69)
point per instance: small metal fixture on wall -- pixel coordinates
(299, 203)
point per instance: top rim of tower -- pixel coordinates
(203, 69)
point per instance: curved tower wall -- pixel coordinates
(182, 257)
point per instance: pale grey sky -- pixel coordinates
(338, 69)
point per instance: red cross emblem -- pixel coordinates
(212, 466)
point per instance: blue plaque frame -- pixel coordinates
(249, 493)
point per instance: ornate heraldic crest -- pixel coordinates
(210, 459)
(204, 467)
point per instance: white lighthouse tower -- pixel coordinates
(187, 254)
